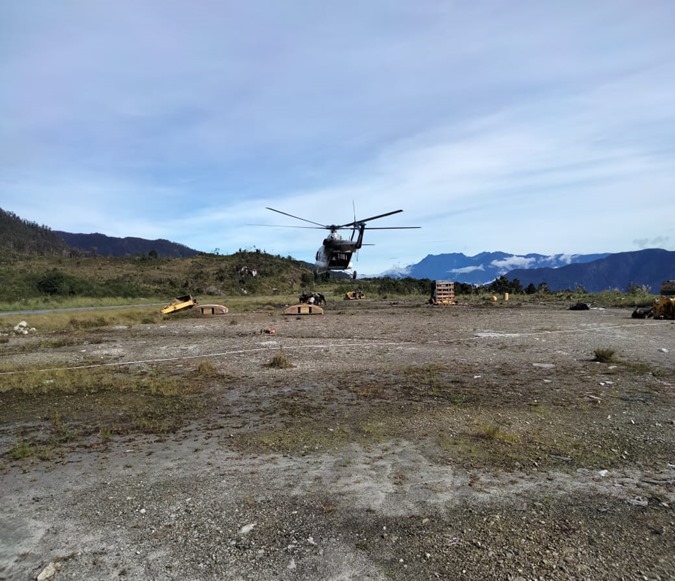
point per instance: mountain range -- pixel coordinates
(487, 266)
(647, 268)
(592, 272)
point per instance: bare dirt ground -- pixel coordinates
(403, 441)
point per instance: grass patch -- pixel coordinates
(69, 406)
(23, 449)
(307, 436)
(83, 323)
(67, 321)
(32, 344)
(61, 430)
(431, 380)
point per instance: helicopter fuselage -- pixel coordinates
(336, 252)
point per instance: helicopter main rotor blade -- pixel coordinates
(288, 226)
(297, 217)
(357, 222)
(392, 227)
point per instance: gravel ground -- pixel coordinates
(403, 441)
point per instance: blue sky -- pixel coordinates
(520, 126)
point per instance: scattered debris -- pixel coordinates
(354, 295)
(23, 329)
(642, 313)
(638, 501)
(246, 271)
(179, 304)
(313, 298)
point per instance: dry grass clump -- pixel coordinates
(280, 361)
(206, 368)
(603, 355)
(491, 431)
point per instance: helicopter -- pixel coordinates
(336, 252)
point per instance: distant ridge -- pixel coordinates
(592, 272)
(103, 245)
(647, 268)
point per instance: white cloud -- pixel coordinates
(466, 269)
(513, 262)
(657, 242)
(539, 128)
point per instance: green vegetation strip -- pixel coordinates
(51, 409)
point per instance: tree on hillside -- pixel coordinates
(18, 236)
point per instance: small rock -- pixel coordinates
(49, 571)
(638, 501)
(246, 529)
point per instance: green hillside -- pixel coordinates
(36, 263)
(30, 277)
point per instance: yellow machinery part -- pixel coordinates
(664, 308)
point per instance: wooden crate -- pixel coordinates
(443, 293)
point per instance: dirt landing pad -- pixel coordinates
(380, 441)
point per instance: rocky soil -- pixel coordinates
(377, 441)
